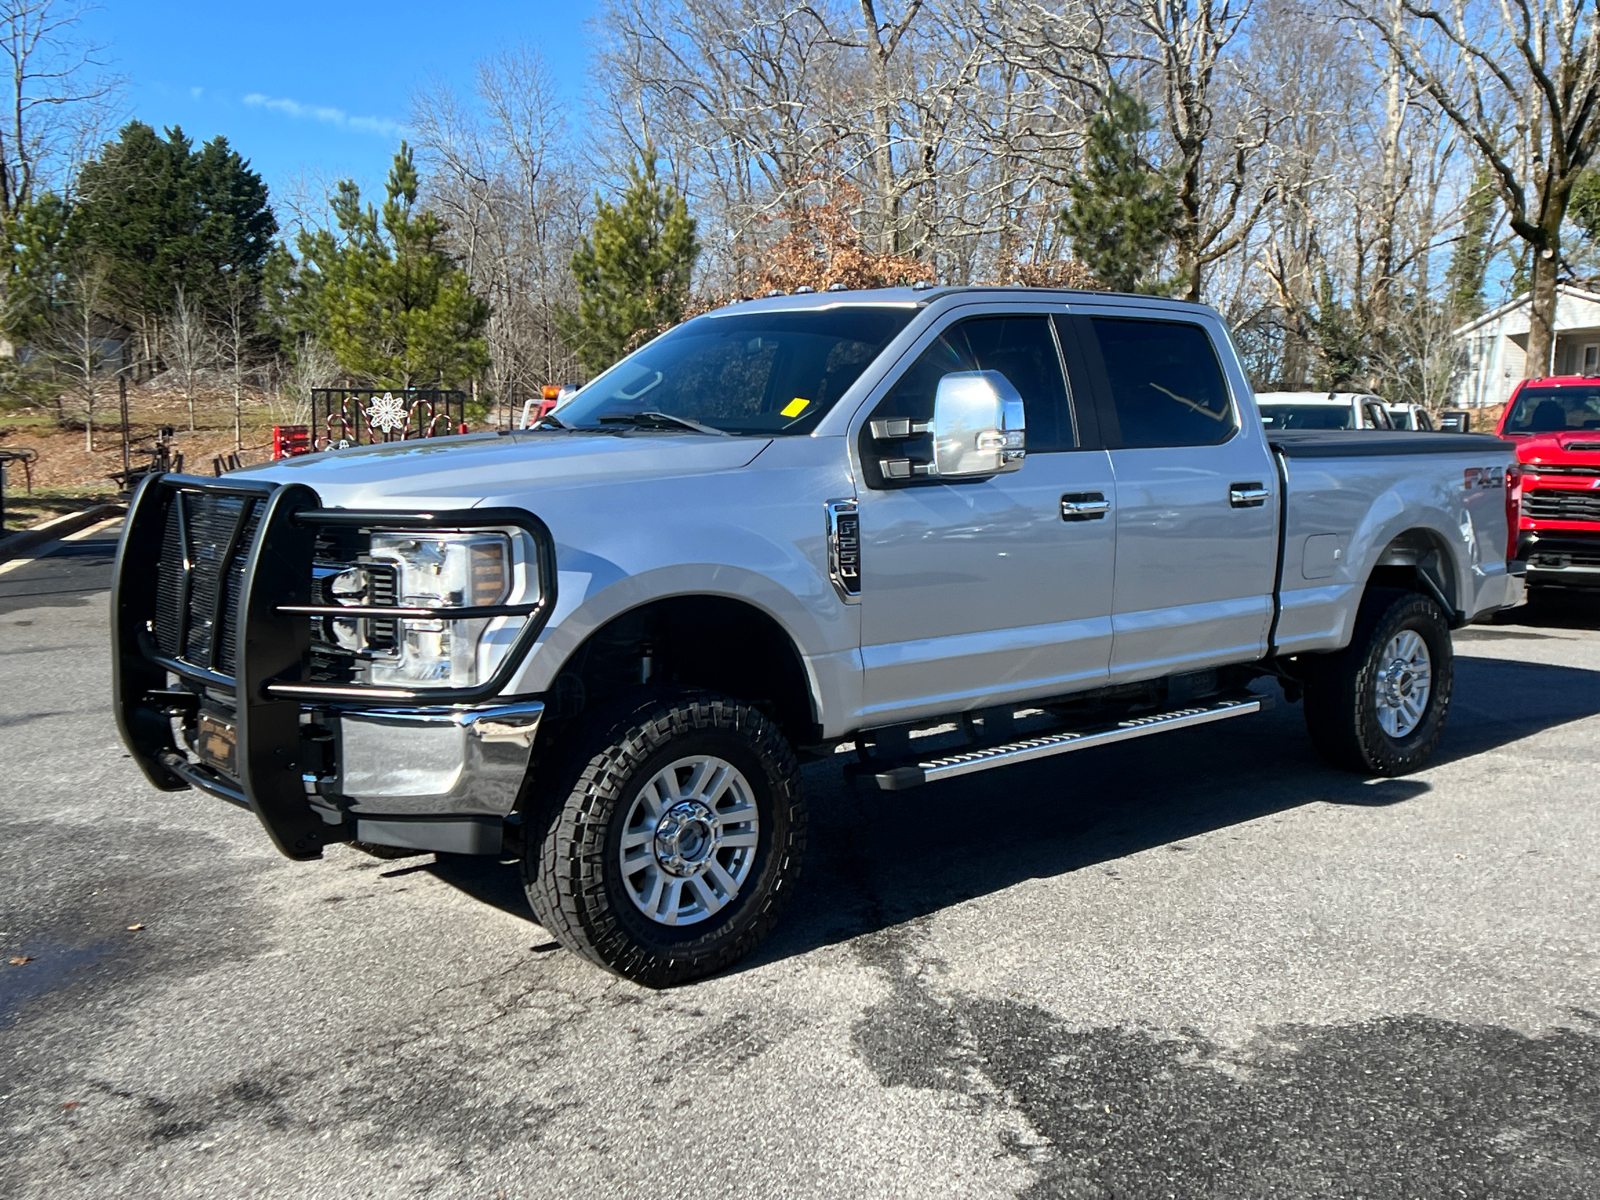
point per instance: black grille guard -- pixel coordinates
(272, 640)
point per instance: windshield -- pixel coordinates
(1553, 410)
(759, 373)
(1306, 416)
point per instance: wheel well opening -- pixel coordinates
(712, 642)
(1419, 560)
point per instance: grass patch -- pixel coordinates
(23, 511)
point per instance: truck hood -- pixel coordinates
(1574, 447)
(457, 472)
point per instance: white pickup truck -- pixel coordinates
(804, 527)
(1325, 410)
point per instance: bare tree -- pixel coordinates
(188, 347)
(75, 342)
(501, 172)
(1521, 80)
(232, 344)
(314, 367)
(943, 129)
(1185, 44)
(58, 99)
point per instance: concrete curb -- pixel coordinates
(15, 545)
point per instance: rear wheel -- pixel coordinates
(675, 841)
(1379, 705)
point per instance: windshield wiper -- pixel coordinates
(650, 419)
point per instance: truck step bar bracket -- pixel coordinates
(949, 765)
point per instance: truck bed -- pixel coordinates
(1358, 500)
(1378, 443)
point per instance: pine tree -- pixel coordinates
(1469, 262)
(383, 292)
(633, 273)
(1121, 208)
(36, 261)
(164, 217)
(1584, 208)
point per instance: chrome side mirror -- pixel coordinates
(978, 425)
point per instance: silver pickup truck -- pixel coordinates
(924, 532)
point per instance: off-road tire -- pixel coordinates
(1340, 690)
(570, 867)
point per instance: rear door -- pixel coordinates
(1196, 491)
(986, 590)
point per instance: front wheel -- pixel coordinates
(1379, 705)
(676, 840)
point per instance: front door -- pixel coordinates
(1196, 497)
(990, 590)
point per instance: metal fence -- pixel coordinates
(343, 417)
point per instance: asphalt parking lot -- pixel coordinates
(1204, 965)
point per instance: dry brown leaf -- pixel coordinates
(20, 959)
(72, 1104)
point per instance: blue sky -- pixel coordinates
(318, 87)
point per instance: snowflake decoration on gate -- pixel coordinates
(388, 413)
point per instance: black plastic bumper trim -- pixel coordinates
(202, 779)
(460, 835)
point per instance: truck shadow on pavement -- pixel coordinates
(1558, 610)
(877, 860)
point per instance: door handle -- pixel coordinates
(1247, 495)
(1084, 506)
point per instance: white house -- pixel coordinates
(1494, 347)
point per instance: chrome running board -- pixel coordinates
(969, 762)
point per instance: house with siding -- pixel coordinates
(1493, 349)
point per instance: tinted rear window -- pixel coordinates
(1166, 383)
(1306, 416)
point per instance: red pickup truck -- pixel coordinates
(1555, 423)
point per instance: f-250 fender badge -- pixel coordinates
(1483, 477)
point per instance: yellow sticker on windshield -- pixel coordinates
(795, 407)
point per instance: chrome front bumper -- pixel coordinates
(428, 778)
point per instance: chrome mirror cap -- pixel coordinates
(978, 425)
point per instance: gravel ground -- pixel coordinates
(1203, 965)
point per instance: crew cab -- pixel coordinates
(1323, 410)
(924, 532)
(1555, 424)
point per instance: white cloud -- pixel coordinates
(327, 115)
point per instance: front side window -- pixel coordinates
(1166, 384)
(1022, 348)
(1554, 410)
(757, 373)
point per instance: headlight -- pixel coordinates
(452, 570)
